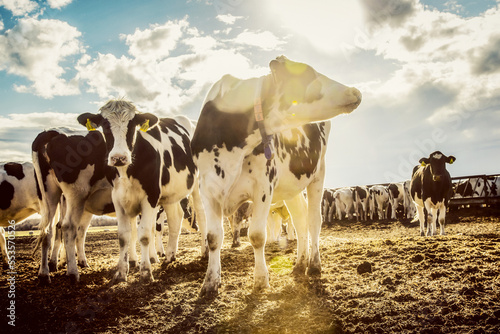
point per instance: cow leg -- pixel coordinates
(215, 237)
(235, 231)
(174, 218)
(148, 215)
(58, 242)
(153, 246)
(126, 225)
(133, 259)
(199, 211)
(433, 222)
(81, 234)
(257, 237)
(314, 192)
(297, 207)
(48, 212)
(70, 225)
(441, 218)
(3, 249)
(160, 250)
(273, 226)
(290, 230)
(421, 219)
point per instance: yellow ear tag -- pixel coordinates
(89, 125)
(452, 161)
(145, 126)
(422, 164)
(294, 103)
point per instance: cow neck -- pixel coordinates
(267, 140)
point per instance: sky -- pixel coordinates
(429, 70)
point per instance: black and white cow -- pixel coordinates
(361, 198)
(71, 164)
(18, 197)
(151, 165)
(379, 201)
(431, 189)
(396, 197)
(344, 203)
(328, 205)
(255, 141)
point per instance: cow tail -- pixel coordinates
(38, 155)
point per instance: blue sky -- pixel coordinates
(429, 70)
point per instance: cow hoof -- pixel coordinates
(52, 266)
(299, 270)
(209, 292)
(83, 264)
(73, 279)
(153, 260)
(44, 280)
(168, 261)
(132, 264)
(314, 271)
(146, 277)
(160, 254)
(119, 278)
(261, 283)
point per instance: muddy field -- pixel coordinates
(377, 278)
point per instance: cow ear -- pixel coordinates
(145, 121)
(277, 69)
(424, 161)
(451, 159)
(91, 121)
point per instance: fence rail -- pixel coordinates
(476, 190)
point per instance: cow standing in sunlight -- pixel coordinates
(152, 165)
(256, 141)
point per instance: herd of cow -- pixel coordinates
(261, 140)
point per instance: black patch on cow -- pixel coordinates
(264, 198)
(361, 193)
(14, 169)
(68, 156)
(158, 226)
(131, 134)
(108, 208)
(167, 162)
(147, 170)
(6, 194)
(155, 133)
(304, 159)
(213, 131)
(393, 190)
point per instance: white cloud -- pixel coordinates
(155, 79)
(228, 18)
(58, 3)
(34, 49)
(19, 7)
(156, 42)
(265, 40)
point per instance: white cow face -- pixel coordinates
(305, 96)
(437, 162)
(119, 121)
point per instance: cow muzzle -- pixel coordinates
(118, 160)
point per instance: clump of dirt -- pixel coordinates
(376, 277)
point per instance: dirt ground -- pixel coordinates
(377, 277)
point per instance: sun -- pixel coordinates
(326, 24)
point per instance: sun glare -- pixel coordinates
(326, 24)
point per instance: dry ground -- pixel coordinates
(411, 284)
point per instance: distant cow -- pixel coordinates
(256, 141)
(396, 198)
(150, 164)
(328, 205)
(18, 196)
(344, 203)
(430, 189)
(361, 198)
(379, 201)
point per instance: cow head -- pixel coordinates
(304, 95)
(119, 121)
(437, 162)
